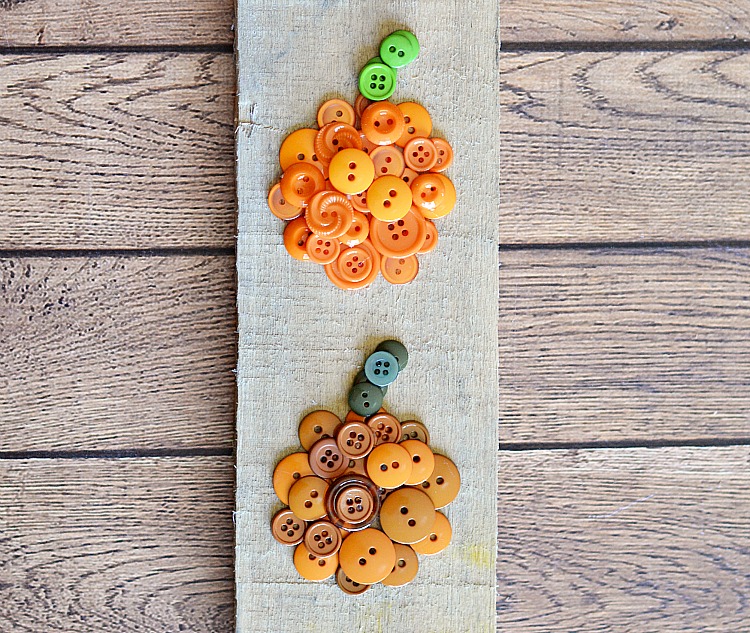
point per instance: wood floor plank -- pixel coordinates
(625, 146)
(624, 20)
(624, 345)
(116, 545)
(117, 150)
(635, 540)
(103, 353)
(125, 23)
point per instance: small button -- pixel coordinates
(316, 426)
(323, 539)
(280, 207)
(359, 202)
(310, 567)
(385, 426)
(444, 483)
(352, 502)
(335, 111)
(365, 398)
(434, 195)
(396, 349)
(382, 123)
(334, 137)
(307, 498)
(368, 556)
(399, 238)
(299, 147)
(358, 231)
(381, 368)
(355, 440)
(420, 154)
(388, 161)
(389, 465)
(409, 175)
(322, 250)
(287, 528)
(407, 515)
(348, 586)
(422, 460)
(399, 49)
(438, 539)
(361, 377)
(300, 182)
(351, 171)
(399, 270)
(327, 460)
(405, 569)
(389, 198)
(417, 122)
(377, 80)
(430, 238)
(329, 214)
(444, 154)
(296, 234)
(290, 469)
(414, 430)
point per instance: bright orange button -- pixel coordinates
(334, 137)
(335, 110)
(388, 160)
(382, 123)
(361, 273)
(307, 498)
(310, 567)
(399, 270)
(399, 238)
(409, 175)
(430, 238)
(388, 465)
(329, 214)
(420, 154)
(300, 182)
(280, 207)
(299, 147)
(389, 198)
(351, 171)
(358, 231)
(367, 556)
(434, 195)
(296, 234)
(417, 122)
(322, 250)
(445, 154)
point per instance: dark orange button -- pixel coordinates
(300, 182)
(444, 483)
(329, 214)
(327, 460)
(342, 280)
(405, 569)
(434, 195)
(310, 567)
(407, 515)
(287, 472)
(382, 123)
(360, 104)
(420, 154)
(355, 264)
(388, 160)
(352, 502)
(322, 250)
(389, 465)
(422, 461)
(409, 175)
(358, 231)
(287, 528)
(386, 427)
(399, 270)
(414, 430)
(399, 238)
(296, 234)
(323, 539)
(347, 585)
(335, 110)
(368, 556)
(317, 425)
(438, 539)
(307, 498)
(334, 137)
(280, 207)
(355, 440)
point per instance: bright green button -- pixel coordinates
(399, 49)
(365, 399)
(377, 81)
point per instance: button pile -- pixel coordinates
(370, 470)
(361, 191)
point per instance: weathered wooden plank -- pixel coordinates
(126, 23)
(116, 151)
(624, 20)
(117, 352)
(634, 540)
(625, 146)
(618, 344)
(116, 545)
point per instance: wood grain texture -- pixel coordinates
(635, 540)
(117, 352)
(116, 545)
(125, 23)
(117, 151)
(624, 20)
(617, 344)
(625, 146)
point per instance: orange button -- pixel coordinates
(351, 171)
(355, 440)
(382, 123)
(280, 207)
(389, 465)
(422, 461)
(322, 250)
(357, 467)
(310, 567)
(406, 567)
(351, 416)
(335, 110)
(307, 498)
(366, 253)
(287, 472)
(299, 147)
(327, 460)
(367, 146)
(347, 585)
(329, 214)
(414, 430)
(388, 198)
(444, 154)
(399, 270)
(417, 122)
(355, 264)
(300, 182)
(409, 175)
(317, 425)
(388, 161)
(438, 539)
(296, 234)
(360, 103)
(420, 154)
(444, 483)
(430, 238)
(323, 539)
(359, 202)
(358, 231)
(287, 528)
(434, 195)
(368, 556)
(407, 515)
(352, 502)
(399, 238)
(334, 137)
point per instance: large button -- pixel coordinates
(300, 182)
(385, 426)
(296, 234)
(399, 270)
(377, 81)
(351, 171)
(323, 539)
(329, 214)
(287, 528)
(422, 461)
(382, 123)
(368, 556)
(365, 398)
(310, 567)
(322, 250)
(352, 502)
(389, 465)
(405, 569)
(389, 198)
(307, 498)
(334, 137)
(299, 147)
(388, 161)
(287, 472)
(420, 154)
(355, 440)
(316, 426)
(399, 49)
(381, 368)
(397, 350)
(444, 483)
(399, 238)
(335, 110)
(434, 195)
(348, 586)
(414, 430)
(444, 154)
(365, 252)
(417, 122)
(438, 539)
(407, 515)
(280, 207)
(430, 238)
(358, 231)
(327, 460)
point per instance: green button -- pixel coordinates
(381, 368)
(377, 81)
(365, 399)
(360, 377)
(399, 49)
(396, 349)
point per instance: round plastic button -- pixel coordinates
(310, 567)
(359, 201)
(352, 502)
(356, 467)
(322, 250)
(360, 103)
(397, 50)
(389, 465)
(365, 253)
(422, 461)
(381, 368)
(438, 539)
(290, 469)
(417, 122)
(335, 110)
(367, 146)
(407, 515)
(329, 214)
(365, 398)
(361, 377)
(299, 147)
(351, 171)
(354, 264)
(444, 483)
(409, 175)
(355, 417)
(296, 234)
(287, 528)
(348, 586)
(399, 270)
(389, 198)
(382, 123)
(377, 81)
(368, 556)
(399, 238)
(434, 195)
(385, 426)
(420, 154)
(444, 154)
(317, 425)
(405, 569)
(334, 137)
(358, 231)
(307, 498)
(414, 430)
(300, 182)
(355, 440)
(323, 539)
(388, 161)
(396, 349)
(280, 207)
(430, 238)
(327, 460)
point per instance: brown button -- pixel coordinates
(368, 556)
(413, 430)
(310, 567)
(287, 528)
(352, 503)
(355, 439)
(386, 427)
(422, 461)
(327, 460)
(357, 467)
(323, 539)
(438, 539)
(444, 483)
(315, 426)
(405, 569)
(407, 515)
(307, 498)
(355, 417)
(287, 471)
(348, 586)
(389, 465)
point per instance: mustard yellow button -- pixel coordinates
(405, 569)
(287, 472)
(422, 461)
(351, 171)
(307, 498)
(367, 556)
(444, 483)
(438, 539)
(389, 198)
(389, 465)
(407, 515)
(311, 567)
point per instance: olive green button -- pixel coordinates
(395, 349)
(365, 398)
(399, 49)
(377, 81)
(360, 377)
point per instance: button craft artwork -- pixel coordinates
(360, 193)
(363, 499)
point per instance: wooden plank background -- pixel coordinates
(625, 373)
